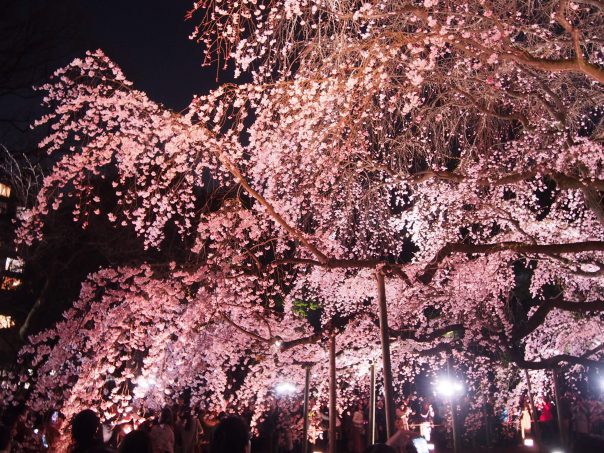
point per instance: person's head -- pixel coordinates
(232, 435)
(85, 428)
(136, 442)
(186, 417)
(5, 437)
(165, 417)
(379, 448)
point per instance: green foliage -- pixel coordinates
(303, 307)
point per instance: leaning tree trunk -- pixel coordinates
(386, 367)
(40, 301)
(332, 393)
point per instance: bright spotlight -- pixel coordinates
(448, 388)
(557, 451)
(529, 442)
(285, 388)
(430, 446)
(146, 382)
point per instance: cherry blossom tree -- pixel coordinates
(433, 121)
(420, 157)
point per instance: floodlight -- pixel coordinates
(448, 388)
(285, 388)
(529, 442)
(146, 382)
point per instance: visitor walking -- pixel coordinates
(5, 439)
(426, 415)
(162, 434)
(188, 429)
(402, 416)
(358, 430)
(86, 433)
(525, 421)
(136, 442)
(546, 420)
(232, 435)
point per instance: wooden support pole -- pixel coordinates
(372, 405)
(386, 368)
(558, 408)
(332, 394)
(306, 393)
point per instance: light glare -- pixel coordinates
(448, 388)
(285, 388)
(529, 442)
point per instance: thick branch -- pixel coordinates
(555, 361)
(547, 306)
(242, 330)
(396, 269)
(597, 3)
(297, 234)
(301, 341)
(411, 334)
(548, 249)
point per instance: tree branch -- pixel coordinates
(429, 271)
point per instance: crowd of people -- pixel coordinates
(230, 434)
(581, 421)
(419, 421)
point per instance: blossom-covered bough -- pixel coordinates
(441, 160)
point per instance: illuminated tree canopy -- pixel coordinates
(455, 148)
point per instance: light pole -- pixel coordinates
(306, 393)
(450, 389)
(332, 394)
(286, 389)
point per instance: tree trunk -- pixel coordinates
(41, 300)
(332, 393)
(386, 367)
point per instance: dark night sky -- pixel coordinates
(148, 39)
